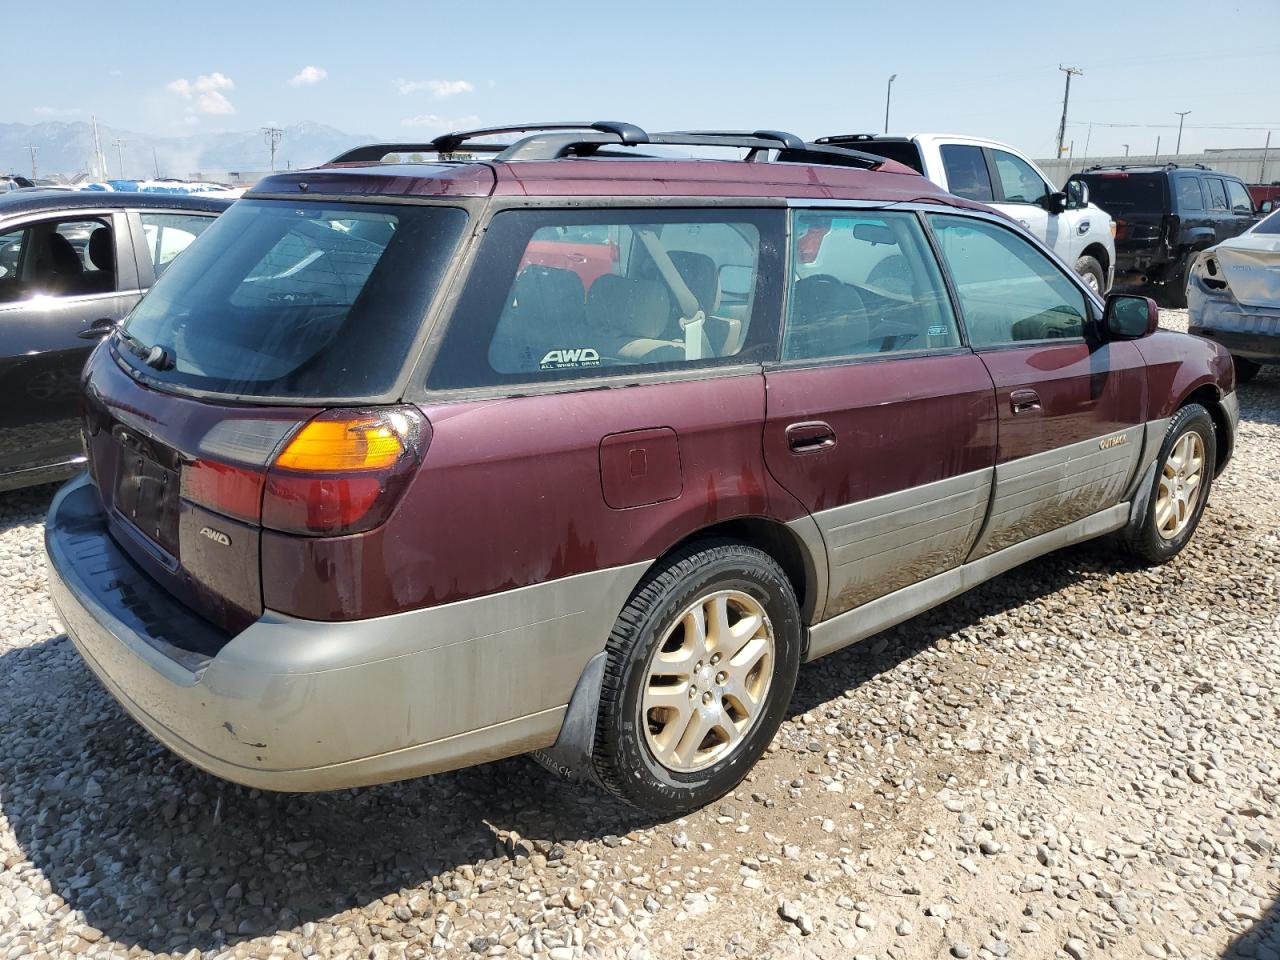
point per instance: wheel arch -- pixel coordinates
(1210, 397)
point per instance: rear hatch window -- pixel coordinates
(294, 300)
(1124, 194)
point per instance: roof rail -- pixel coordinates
(550, 141)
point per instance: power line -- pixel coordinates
(1066, 95)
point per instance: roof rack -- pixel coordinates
(1136, 166)
(551, 141)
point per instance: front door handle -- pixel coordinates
(98, 329)
(810, 436)
(1024, 401)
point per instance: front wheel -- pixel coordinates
(1180, 489)
(1092, 274)
(702, 663)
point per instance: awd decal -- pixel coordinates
(1108, 442)
(217, 536)
(576, 357)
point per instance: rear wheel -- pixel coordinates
(1180, 489)
(701, 666)
(1246, 369)
(1092, 274)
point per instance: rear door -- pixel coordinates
(878, 419)
(1070, 408)
(67, 279)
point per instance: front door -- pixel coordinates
(1070, 407)
(63, 276)
(877, 418)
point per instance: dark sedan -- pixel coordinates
(72, 264)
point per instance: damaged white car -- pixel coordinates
(1233, 296)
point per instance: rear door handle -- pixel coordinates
(1024, 401)
(810, 436)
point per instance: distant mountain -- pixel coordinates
(67, 148)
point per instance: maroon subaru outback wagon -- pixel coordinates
(569, 445)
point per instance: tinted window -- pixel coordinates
(903, 151)
(1217, 194)
(1239, 197)
(966, 170)
(1008, 290)
(1020, 183)
(52, 258)
(1121, 193)
(1271, 225)
(296, 299)
(547, 300)
(864, 283)
(1188, 193)
(168, 234)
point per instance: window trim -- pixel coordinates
(141, 252)
(997, 192)
(997, 183)
(1088, 331)
(467, 257)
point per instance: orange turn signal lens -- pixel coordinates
(331, 446)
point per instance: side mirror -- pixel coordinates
(1128, 317)
(1055, 202)
(1077, 194)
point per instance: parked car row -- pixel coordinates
(575, 449)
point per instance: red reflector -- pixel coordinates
(1113, 176)
(307, 503)
(231, 491)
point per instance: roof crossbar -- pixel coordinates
(624, 133)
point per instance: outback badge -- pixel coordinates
(217, 536)
(1108, 442)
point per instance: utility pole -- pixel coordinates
(99, 161)
(273, 135)
(34, 174)
(1062, 126)
(1157, 150)
(1126, 148)
(888, 92)
(1262, 173)
(1181, 116)
(119, 144)
(156, 162)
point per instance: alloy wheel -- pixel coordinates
(708, 680)
(1180, 483)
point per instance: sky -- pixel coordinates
(405, 70)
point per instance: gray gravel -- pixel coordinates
(1080, 759)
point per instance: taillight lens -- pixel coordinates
(344, 471)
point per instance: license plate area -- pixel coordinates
(147, 492)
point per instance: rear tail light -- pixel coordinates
(344, 471)
(1120, 229)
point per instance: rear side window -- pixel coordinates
(1188, 191)
(1217, 194)
(295, 299)
(966, 169)
(1008, 290)
(168, 234)
(556, 295)
(1121, 192)
(864, 283)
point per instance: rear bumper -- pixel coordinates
(290, 704)
(1262, 347)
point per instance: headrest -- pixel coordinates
(637, 308)
(102, 251)
(63, 257)
(701, 277)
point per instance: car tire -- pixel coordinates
(1180, 488)
(1091, 270)
(1246, 369)
(666, 683)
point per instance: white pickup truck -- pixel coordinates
(994, 173)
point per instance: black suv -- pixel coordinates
(1164, 216)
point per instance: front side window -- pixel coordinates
(1008, 290)
(58, 258)
(288, 299)
(1020, 183)
(557, 295)
(1189, 197)
(967, 174)
(864, 283)
(1217, 194)
(168, 234)
(1239, 197)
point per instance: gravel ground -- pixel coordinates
(1078, 759)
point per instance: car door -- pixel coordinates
(1070, 407)
(1219, 209)
(1242, 216)
(71, 280)
(878, 418)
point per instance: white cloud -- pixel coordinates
(433, 121)
(437, 88)
(205, 91)
(308, 76)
